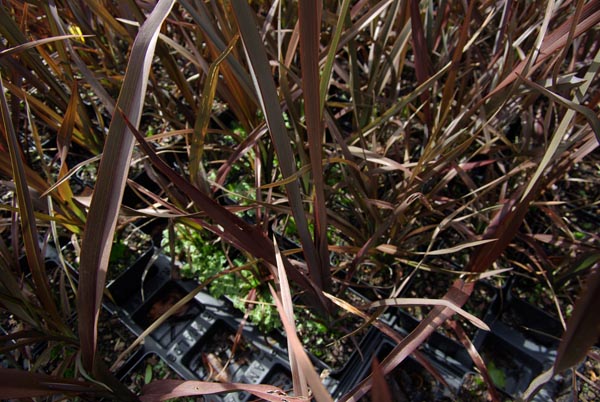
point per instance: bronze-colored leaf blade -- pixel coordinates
(298, 378)
(268, 99)
(381, 390)
(167, 389)
(23, 384)
(112, 176)
(28, 221)
(583, 328)
(309, 19)
(39, 42)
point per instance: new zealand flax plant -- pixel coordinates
(393, 137)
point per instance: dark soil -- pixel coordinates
(587, 386)
(410, 382)
(330, 346)
(113, 337)
(473, 389)
(219, 356)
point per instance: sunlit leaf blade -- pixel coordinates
(66, 175)
(537, 383)
(458, 248)
(39, 42)
(112, 176)
(66, 128)
(563, 127)
(304, 362)
(400, 301)
(63, 140)
(203, 119)
(167, 389)
(298, 378)
(328, 68)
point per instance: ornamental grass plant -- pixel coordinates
(329, 145)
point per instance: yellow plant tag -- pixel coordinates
(75, 30)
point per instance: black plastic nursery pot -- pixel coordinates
(220, 355)
(510, 368)
(535, 324)
(129, 291)
(219, 346)
(521, 344)
(440, 348)
(203, 339)
(484, 302)
(409, 381)
(528, 329)
(448, 356)
(158, 304)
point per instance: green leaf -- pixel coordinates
(328, 68)
(148, 374)
(203, 119)
(497, 375)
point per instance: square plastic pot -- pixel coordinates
(409, 381)
(129, 291)
(158, 304)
